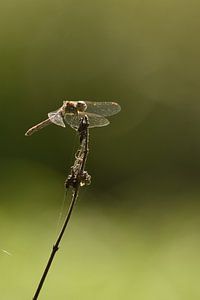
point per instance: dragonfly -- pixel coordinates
(71, 113)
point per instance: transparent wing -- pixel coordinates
(94, 120)
(103, 108)
(56, 118)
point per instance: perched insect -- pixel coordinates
(71, 113)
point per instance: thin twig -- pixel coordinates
(56, 246)
(76, 179)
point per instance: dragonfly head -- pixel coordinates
(81, 106)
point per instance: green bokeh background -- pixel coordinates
(135, 231)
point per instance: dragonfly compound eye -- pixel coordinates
(81, 106)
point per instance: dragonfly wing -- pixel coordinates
(94, 120)
(103, 108)
(56, 118)
(72, 120)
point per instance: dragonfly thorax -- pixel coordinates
(74, 106)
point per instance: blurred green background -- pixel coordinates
(135, 231)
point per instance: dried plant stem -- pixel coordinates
(78, 177)
(56, 246)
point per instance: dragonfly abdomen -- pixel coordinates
(38, 127)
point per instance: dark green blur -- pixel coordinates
(134, 233)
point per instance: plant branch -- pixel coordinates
(77, 178)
